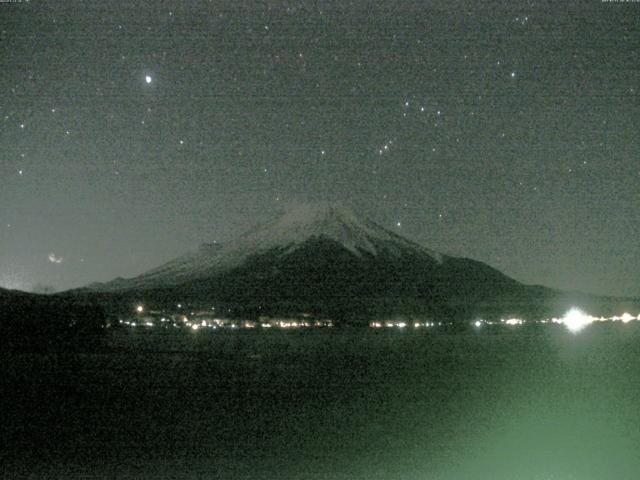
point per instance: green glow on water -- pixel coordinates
(333, 405)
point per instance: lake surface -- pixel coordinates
(328, 404)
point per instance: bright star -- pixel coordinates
(148, 78)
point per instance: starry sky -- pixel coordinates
(131, 132)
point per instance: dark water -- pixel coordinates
(328, 404)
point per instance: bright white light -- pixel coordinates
(195, 326)
(478, 323)
(139, 309)
(148, 78)
(575, 320)
(626, 317)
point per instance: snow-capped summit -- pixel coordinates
(330, 221)
(310, 221)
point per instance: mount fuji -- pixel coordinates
(323, 260)
(322, 224)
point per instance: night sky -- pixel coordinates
(131, 132)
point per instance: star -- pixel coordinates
(148, 79)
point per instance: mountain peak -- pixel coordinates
(331, 221)
(309, 221)
(312, 219)
(317, 211)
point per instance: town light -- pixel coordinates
(575, 320)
